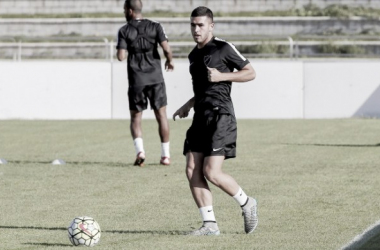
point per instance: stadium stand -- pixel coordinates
(101, 6)
(258, 36)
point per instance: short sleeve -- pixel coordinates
(121, 40)
(161, 35)
(233, 57)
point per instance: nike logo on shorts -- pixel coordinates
(216, 149)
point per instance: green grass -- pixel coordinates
(316, 182)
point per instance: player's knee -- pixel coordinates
(161, 112)
(194, 175)
(136, 119)
(211, 175)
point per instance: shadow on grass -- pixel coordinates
(111, 164)
(34, 228)
(335, 145)
(368, 240)
(108, 164)
(159, 232)
(48, 244)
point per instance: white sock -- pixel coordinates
(165, 149)
(207, 214)
(139, 146)
(240, 197)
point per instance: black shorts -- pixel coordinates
(212, 134)
(138, 96)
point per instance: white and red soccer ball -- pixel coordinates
(84, 231)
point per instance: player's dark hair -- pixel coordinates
(203, 11)
(135, 5)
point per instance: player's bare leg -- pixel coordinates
(163, 125)
(212, 170)
(135, 126)
(201, 194)
(198, 184)
(136, 132)
(163, 131)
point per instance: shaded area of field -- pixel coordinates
(368, 240)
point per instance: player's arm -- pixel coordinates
(121, 45)
(121, 54)
(247, 73)
(169, 65)
(183, 111)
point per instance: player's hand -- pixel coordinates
(169, 66)
(214, 75)
(181, 112)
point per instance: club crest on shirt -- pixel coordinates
(207, 60)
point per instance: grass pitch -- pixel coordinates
(316, 181)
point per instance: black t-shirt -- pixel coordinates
(224, 57)
(140, 38)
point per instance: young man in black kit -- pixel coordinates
(140, 38)
(211, 137)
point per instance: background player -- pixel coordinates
(211, 137)
(140, 38)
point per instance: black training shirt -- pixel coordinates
(224, 57)
(140, 38)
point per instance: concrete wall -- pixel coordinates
(55, 90)
(342, 89)
(115, 6)
(179, 27)
(282, 89)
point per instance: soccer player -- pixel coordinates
(140, 38)
(211, 137)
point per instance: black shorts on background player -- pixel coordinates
(138, 96)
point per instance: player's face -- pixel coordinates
(201, 29)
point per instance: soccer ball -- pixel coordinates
(84, 231)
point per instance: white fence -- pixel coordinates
(70, 48)
(178, 27)
(98, 90)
